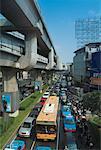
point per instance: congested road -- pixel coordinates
(73, 139)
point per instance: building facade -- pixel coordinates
(87, 31)
(96, 70)
(82, 61)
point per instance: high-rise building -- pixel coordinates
(87, 31)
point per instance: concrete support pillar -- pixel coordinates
(10, 81)
(30, 58)
(58, 63)
(36, 75)
(11, 87)
(51, 58)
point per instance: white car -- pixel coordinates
(46, 94)
(26, 127)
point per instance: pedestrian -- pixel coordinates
(80, 132)
(88, 140)
(91, 145)
(66, 148)
(85, 129)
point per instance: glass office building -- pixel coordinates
(87, 31)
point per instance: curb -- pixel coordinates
(13, 135)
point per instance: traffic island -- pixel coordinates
(8, 130)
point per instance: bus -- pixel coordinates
(46, 122)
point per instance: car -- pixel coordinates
(47, 91)
(69, 124)
(70, 141)
(63, 97)
(25, 129)
(63, 84)
(53, 94)
(38, 106)
(32, 114)
(42, 101)
(57, 89)
(46, 95)
(62, 92)
(43, 148)
(65, 111)
(36, 109)
(26, 93)
(35, 112)
(16, 145)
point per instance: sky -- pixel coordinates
(59, 17)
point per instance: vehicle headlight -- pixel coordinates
(27, 132)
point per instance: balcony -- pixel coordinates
(42, 59)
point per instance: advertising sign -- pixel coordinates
(95, 81)
(6, 102)
(37, 85)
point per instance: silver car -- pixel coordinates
(26, 128)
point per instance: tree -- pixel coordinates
(92, 101)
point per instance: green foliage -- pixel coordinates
(96, 134)
(92, 101)
(29, 101)
(4, 126)
(8, 129)
(96, 120)
(44, 87)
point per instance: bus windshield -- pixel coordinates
(46, 129)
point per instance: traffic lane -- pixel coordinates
(28, 140)
(52, 144)
(61, 135)
(82, 140)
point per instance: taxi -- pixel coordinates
(69, 124)
(16, 145)
(43, 148)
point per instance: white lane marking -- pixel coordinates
(58, 131)
(33, 145)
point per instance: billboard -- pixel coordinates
(96, 64)
(95, 81)
(6, 102)
(96, 68)
(9, 101)
(37, 85)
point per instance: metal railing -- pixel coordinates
(10, 48)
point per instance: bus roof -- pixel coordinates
(48, 114)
